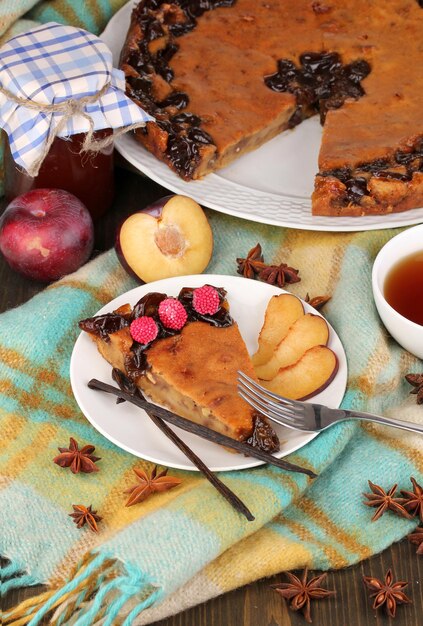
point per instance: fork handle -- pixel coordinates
(387, 421)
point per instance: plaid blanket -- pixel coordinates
(187, 545)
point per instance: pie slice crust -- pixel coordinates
(192, 372)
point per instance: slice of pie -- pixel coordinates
(221, 77)
(184, 353)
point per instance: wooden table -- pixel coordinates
(256, 604)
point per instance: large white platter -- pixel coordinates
(131, 429)
(272, 185)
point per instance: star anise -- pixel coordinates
(150, 484)
(385, 500)
(417, 538)
(387, 592)
(301, 591)
(417, 381)
(279, 275)
(85, 515)
(81, 460)
(253, 264)
(414, 499)
(317, 302)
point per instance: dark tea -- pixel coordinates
(403, 288)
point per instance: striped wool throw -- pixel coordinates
(187, 545)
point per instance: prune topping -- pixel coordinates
(140, 85)
(104, 325)
(356, 188)
(165, 125)
(393, 175)
(183, 153)
(146, 102)
(186, 119)
(263, 435)
(343, 174)
(167, 53)
(185, 137)
(184, 141)
(357, 70)
(160, 61)
(199, 136)
(192, 9)
(148, 305)
(321, 82)
(374, 166)
(404, 158)
(177, 99)
(141, 62)
(153, 30)
(320, 62)
(178, 30)
(196, 8)
(401, 167)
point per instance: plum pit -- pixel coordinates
(170, 240)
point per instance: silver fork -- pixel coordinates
(305, 415)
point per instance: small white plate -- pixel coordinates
(271, 185)
(131, 429)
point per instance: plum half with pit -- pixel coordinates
(46, 234)
(171, 237)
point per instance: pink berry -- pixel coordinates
(206, 300)
(172, 314)
(144, 329)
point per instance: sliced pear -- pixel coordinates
(308, 331)
(307, 377)
(282, 311)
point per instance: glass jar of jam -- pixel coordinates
(60, 113)
(87, 175)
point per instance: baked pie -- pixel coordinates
(221, 77)
(184, 353)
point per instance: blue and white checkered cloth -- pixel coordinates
(51, 64)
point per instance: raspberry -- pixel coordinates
(172, 314)
(144, 329)
(206, 300)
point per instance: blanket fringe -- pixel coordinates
(98, 589)
(13, 577)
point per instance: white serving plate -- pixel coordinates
(131, 429)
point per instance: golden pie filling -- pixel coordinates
(221, 77)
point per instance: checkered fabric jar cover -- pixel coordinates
(43, 71)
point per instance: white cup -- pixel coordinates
(408, 334)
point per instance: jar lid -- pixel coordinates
(59, 80)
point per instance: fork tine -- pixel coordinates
(264, 407)
(277, 418)
(251, 384)
(260, 392)
(268, 402)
